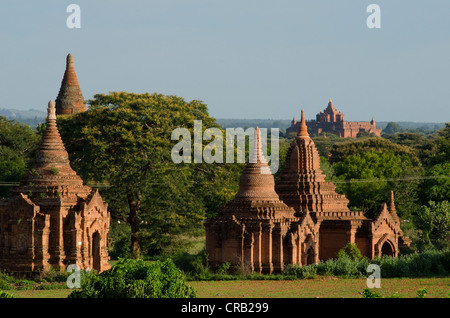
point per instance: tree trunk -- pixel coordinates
(134, 201)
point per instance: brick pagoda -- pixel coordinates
(70, 99)
(53, 220)
(303, 222)
(249, 230)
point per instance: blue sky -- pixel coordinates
(244, 59)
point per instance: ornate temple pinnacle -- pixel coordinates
(392, 209)
(303, 130)
(51, 110)
(69, 59)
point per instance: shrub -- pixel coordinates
(307, 271)
(422, 293)
(351, 251)
(368, 293)
(5, 295)
(130, 278)
(343, 267)
(223, 268)
(6, 281)
(425, 264)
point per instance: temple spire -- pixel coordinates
(330, 105)
(51, 111)
(257, 180)
(392, 209)
(303, 130)
(70, 99)
(51, 166)
(257, 155)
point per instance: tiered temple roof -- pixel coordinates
(51, 173)
(302, 184)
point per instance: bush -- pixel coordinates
(135, 279)
(343, 267)
(6, 281)
(5, 295)
(351, 251)
(307, 271)
(368, 293)
(9, 282)
(425, 264)
(223, 268)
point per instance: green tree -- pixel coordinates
(437, 188)
(392, 128)
(340, 151)
(124, 140)
(368, 178)
(441, 147)
(17, 145)
(433, 220)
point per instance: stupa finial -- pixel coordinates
(303, 130)
(51, 110)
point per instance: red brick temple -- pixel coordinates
(300, 220)
(52, 220)
(332, 121)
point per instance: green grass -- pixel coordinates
(322, 287)
(329, 287)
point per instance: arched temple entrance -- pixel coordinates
(387, 249)
(96, 259)
(310, 259)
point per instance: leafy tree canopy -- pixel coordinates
(17, 145)
(343, 150)
(124, 140)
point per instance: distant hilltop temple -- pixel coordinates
(52, 219)
(299, 220)
(332, 121)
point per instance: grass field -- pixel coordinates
(327, 287)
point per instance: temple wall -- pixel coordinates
(331, 240)
(364, 245)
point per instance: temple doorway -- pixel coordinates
(387, 249)
(96, 260)
(310, 256)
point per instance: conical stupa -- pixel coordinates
(256, 196)
(70, 99)
(51, 170)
